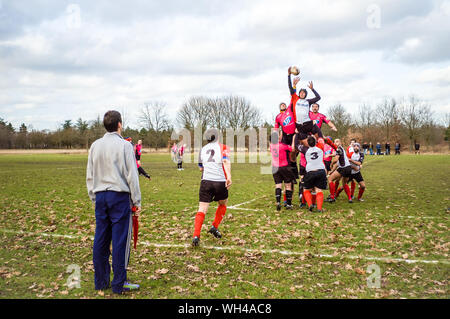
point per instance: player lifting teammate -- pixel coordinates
(281, 170)
(214, 163)
(315, 178)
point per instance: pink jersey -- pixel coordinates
(327, 151)
(138, 149)
(286, 120)
(318, 118)
(279, 154)
(302, 160)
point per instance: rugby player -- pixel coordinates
(316, 176)
(281, 170)
(301, 105)
(286, 120)
(356, 159)
(344, 170)
(214, 163)
(319, 118)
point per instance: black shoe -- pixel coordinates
(331, 200)
(350, 201)
(278, 207)
(320, 211)
(289, 207)
(195, 241)
(215, 232)
(302, 205)
(311, 208)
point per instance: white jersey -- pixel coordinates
(358, 157)
(313, 157)
(343, 159)
(302, 111)
(211, 159)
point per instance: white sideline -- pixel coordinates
(249, 250)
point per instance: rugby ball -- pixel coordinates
(294, 70)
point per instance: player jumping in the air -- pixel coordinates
(301, 106)
(344, 170)
(316, 176)
(281, 170)
(214, 163)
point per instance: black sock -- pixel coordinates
(289, 197)
(278, 195)
(300, 190)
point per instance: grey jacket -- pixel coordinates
(112, 167)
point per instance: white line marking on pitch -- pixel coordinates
(250, 250)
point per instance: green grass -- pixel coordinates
(405, 216)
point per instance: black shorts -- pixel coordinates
(212, 191)
(308, 128)
(357, 177)
(345, 171)
(315, 179)
(287, 139)
(327, 165)
(138, 157)
(283, 174)
(294, 169)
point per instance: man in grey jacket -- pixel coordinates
(113, 185)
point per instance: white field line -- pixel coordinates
(249, 250)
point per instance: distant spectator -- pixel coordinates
(365, 148)
(371, 148)
(417, 147)
(387, 148)
(378, 146)
(397, 148)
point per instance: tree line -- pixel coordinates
(404, 121)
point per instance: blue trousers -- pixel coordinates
(113, 223)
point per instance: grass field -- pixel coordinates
(47, 224)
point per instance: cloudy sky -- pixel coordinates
(68, 59)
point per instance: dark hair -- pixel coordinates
(111, 121)
(304, 90)
(212, 135)
(311, 141)
(316, 104)
(274, 138)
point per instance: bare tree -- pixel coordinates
(387, 116)
(195, 112)
(414, 113)
(240, 114)
(340, 117)
(153, 116)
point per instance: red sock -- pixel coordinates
(361, 191)
(332, 189)
(339, 190)
(199, 218)
(319, 200)
(353, 188)
(314, 198)
(347, 191)
(220, 212)
(308, 197)
(303, 198)
(284, 196)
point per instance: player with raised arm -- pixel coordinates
(301, 105)
(281, 170)
(214, 163)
